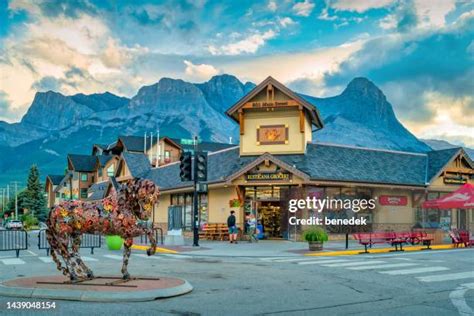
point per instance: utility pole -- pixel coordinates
(16, 199)
(195, 199)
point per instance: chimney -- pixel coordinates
(230, 140)
(157, 148)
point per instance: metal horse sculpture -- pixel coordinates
(116, 214)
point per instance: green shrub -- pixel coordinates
(315, 234)
(29, 221)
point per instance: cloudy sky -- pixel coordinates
(419, 52)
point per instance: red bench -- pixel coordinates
(370, 239)
(461, 237)
(395, 239)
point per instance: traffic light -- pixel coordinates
(185, 166)
(200, 169)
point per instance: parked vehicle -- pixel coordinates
(14, 224)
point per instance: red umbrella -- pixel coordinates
(461, 198)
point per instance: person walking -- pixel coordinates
(232, 228)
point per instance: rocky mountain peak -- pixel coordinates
(361, 87)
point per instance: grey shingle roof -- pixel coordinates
(97, 191)
(138, 163)
(324, 162)
(135, 143)
(437, 159)
(55, 179)
(83, 163)
(103, 159)
(204, 146)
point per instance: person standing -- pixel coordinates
(251, 228)
(231, 224)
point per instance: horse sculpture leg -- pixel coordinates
(151, 251)
(82, 267)
(127, 245)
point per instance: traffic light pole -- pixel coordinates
(195, 198)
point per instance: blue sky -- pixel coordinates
(419, 52)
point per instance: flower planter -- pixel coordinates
(114, 242)
(315, 245)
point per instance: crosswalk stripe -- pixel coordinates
(414, 271)
(88, 259)
(322, 262)
(176, 256)
(141, 255)
(349, 264)
(299, 259)
(46, 259)
(384, 266)
(114, 257)
(12, 261)
(447, 277)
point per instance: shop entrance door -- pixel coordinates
(269, 215)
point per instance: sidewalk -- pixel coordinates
(277, 248)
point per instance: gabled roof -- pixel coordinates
(54, 178)
(322, 162)
(439, 160)
(311, 108)
(82, 163)
(104, 159)
(134, 143)
(137, 163)
(97, 191)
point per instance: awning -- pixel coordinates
(461, 198)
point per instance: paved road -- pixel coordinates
(421, 283)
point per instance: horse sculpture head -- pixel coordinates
(142, 194)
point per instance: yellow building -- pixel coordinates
(278, 159)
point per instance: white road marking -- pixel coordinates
(88, 259)
(414, 271)
(32, 253)
(176, 256)
(46, 259)
(12, 261)
(141, 255)
(447, 277)
(299, 259)
(384, 266)
(114, 257)
(322, 262)
(458, 300)
(349, 264)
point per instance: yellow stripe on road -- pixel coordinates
(158, 249)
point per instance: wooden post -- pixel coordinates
(241, 122)
(301, 119)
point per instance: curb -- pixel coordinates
(380, 250)
(158, 249)
(95, 296)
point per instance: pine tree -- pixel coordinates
(35, 202)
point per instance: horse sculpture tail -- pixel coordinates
(54, 243)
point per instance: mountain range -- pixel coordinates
(56, 125)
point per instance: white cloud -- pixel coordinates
(201, 72)
(303, 8)
(432, 13)
(361, 6)
(286, 21)
(247, 45)
(272, 6)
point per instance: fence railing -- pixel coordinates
(13, 240)
(157, 231)
(87, 241)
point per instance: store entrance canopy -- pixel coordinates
(461, 198)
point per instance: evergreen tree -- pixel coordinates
(35, 202)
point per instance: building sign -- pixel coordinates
(393, 200)
(269, 104)
(268, 176)
(272, 134)
(454, 180)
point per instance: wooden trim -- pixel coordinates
(301, 120)
(241, 122)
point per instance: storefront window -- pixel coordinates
(186, 201)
